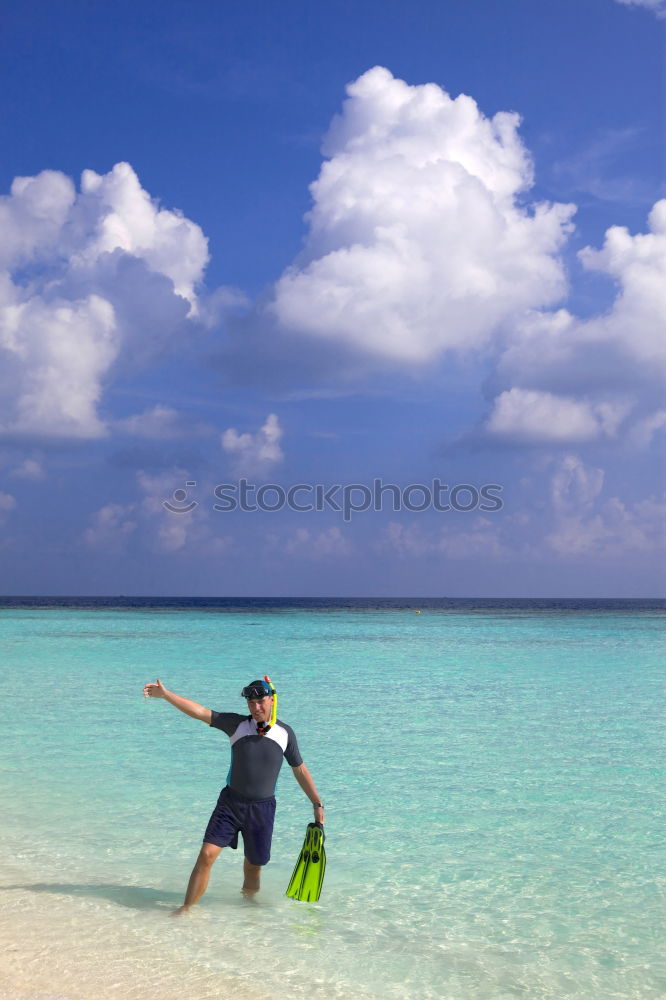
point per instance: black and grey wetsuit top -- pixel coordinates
(256, 760)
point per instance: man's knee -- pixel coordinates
(208, 854)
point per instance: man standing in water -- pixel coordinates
(246, 804)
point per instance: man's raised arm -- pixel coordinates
(191, 708)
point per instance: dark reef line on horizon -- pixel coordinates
(277, 604)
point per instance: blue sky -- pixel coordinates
(333, 244)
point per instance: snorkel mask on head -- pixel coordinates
(262, 689)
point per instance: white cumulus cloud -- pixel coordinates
(419, 239)
(575, 379)
(637, 321)
(575, 485)
(33, 216)
(120, 215)
(83, 276)
(160, 423)
(528, 415)
(614, 530)
(110, 527)
(170, 532)
(255, 454)
(187, 531)
(55, 354)
(658, 7)
(644, 431)
(153, 528)
(30, 468)
(584, 524)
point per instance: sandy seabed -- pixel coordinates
(55, 948)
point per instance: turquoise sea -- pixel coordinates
(493, 773)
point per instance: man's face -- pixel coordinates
(260, 708)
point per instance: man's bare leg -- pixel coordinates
(251, 878)
(199, 878)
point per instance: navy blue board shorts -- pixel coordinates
(253, 818)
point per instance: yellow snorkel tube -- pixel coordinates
(274, 693)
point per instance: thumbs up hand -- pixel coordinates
(154, 690)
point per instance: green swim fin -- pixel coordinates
(308, 876)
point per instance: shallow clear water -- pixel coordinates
(493, 779)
